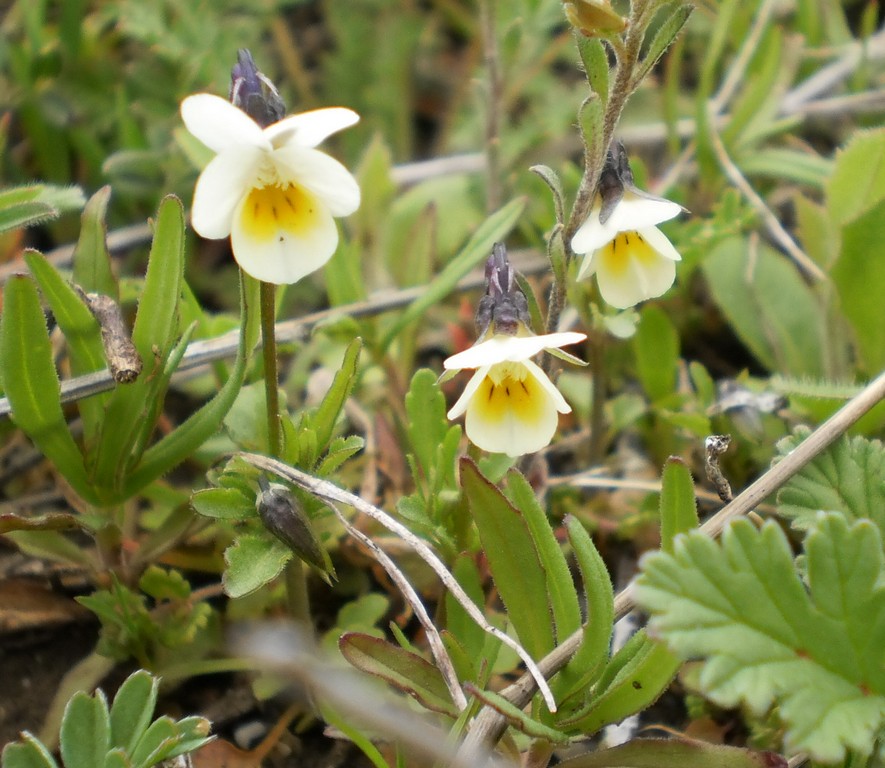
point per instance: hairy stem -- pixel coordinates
(269, 357)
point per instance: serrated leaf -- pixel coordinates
(741, 605)
(253, 561)
(517, 718)
(403, 669)
(679, 512)
(858, 180)
(85, 733)
(132, 709)
(848, 477)
(675, 753)
(656, 345)
(340, 450)
(860, 279)
(494, 229)
(514, 560)
(27, 753)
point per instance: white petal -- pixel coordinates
(221, 187)
(661, 243)
(219, 124)
(324, 176)
(469, 391)
(624, 282)
(544, 380)
(284, 256)
(525, 427)
(588, 265)
(637, 211)
(592, 234)
(310, 128)
(501, 349)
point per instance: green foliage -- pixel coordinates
(674, 753)
(527, 565)
(406, 671)
(157, 625)
(771, 308)
(742, 606)
(92, 735)
(848, 478)
(34, 204)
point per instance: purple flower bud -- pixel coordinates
(504, 306)
(253, 92)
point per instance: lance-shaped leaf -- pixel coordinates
(131, 409)
(31, 382)
(403, 669)
(586, 665)
(675, 753)
(633, 679)
(492, 230)
(766, 639)
(326, 415)
(527, 565)
(849, 478)
(516, 717)
(29, 205)
(679, 513)
(82, 335)
(92, 261)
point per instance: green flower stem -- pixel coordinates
(269, 356)
(296, 581)
(596, 446)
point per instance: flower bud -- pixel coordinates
(504, 307)
(283, 515)
(253, 92)
(594, 18)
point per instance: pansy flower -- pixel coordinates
(631, 258)
(269, 188)
(511, 405)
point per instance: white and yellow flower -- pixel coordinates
(632, 259)
(269, 188)
(511, 405)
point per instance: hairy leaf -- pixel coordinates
(816, 652)
(849, 478)
(85, 731)
(253, 561)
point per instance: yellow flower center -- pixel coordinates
(624, 248)
(272, 209)
(509, 388)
